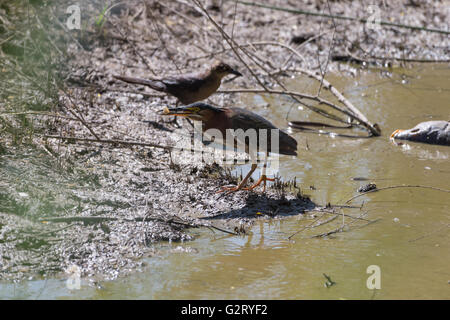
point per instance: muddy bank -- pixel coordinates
(64, 178)
(119, 184)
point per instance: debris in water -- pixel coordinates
(367, 187)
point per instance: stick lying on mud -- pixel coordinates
(130, 143)
(94, 219)
(362, 20)
(124, 142)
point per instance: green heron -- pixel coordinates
(224, 119)
(188, 88)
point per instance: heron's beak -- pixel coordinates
(181, 111)
(235, 72)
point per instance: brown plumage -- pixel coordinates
(191, 87)
(223, 119)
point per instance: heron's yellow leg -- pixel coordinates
(241, 185)
(263, 179)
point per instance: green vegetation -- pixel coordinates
(30, 69)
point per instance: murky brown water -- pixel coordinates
(410, 243)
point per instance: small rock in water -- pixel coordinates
(367, 187)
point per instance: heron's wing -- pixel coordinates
(245, 120)
(251, 124)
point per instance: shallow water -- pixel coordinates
(410, 243)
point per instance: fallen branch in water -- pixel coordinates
(341, 229)
(351, 111)
(336, 215)
(373, 128)
(300, 125)
(311, 225)
(396, 187)
(355, 114)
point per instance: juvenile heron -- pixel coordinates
(224, 119)
(191, 87)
